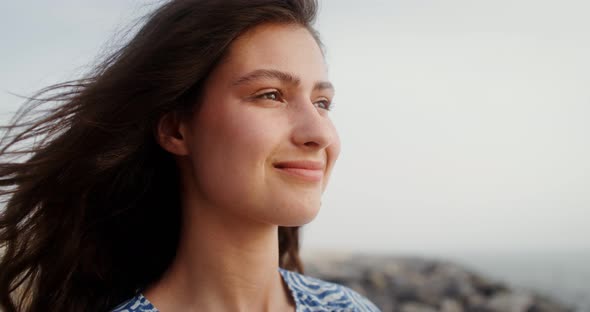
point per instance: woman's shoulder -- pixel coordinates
(139, 303)
(313, 294)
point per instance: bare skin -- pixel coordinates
(238, 271)
(238, 187)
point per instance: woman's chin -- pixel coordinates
(298, 216)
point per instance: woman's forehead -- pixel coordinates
(280, 47)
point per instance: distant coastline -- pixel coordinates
(560, 279)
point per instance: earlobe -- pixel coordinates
(171, 134)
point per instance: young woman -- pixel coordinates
(175, 176)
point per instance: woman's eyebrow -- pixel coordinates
(268, 74)
(323, 85)
(280, 75)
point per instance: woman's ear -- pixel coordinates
(172, 134)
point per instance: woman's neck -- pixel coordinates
(223, 263)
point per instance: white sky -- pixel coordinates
(463, 122)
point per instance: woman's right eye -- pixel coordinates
(272, 95)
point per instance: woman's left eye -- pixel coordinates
(323, 104)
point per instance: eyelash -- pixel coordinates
(279, 97)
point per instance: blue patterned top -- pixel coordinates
(310, 295)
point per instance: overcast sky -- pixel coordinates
(464, 123)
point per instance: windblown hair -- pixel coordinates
(91, 210)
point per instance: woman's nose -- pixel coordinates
(312, 129)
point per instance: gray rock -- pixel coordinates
(450, 305)
(416, 307)
(510, 302)
(405, 284)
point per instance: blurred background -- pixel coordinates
(463, 123)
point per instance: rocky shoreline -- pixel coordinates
(407, 284)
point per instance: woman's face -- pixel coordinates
(262, 145)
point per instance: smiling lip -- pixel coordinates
(310, 171)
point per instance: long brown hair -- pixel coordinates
(92, 205)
